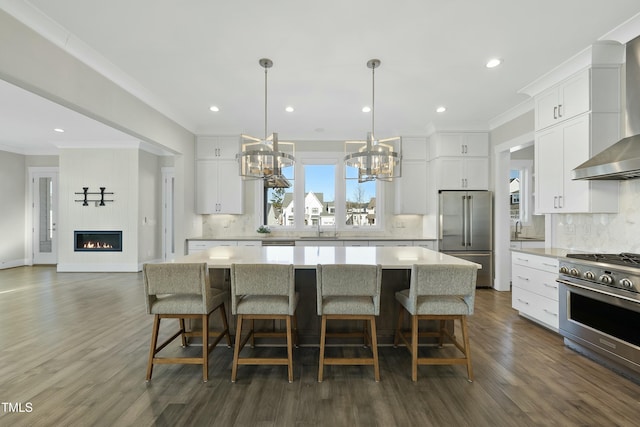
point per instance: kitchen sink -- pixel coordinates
(318, 238)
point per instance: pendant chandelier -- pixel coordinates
(264, 158)
(375, 159)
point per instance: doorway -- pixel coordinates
(168, 229)
(44, 198)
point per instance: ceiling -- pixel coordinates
(183, 57)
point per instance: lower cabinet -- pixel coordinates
(534, 290)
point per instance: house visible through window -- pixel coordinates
(329, 199)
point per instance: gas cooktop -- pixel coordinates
(624, 258)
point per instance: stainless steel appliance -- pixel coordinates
(600, 308)
(465, 229)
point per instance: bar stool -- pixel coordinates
(182, 291)
(438, 292)
(349, 292)
(263, 291)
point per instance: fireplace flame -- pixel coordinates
(97, 245)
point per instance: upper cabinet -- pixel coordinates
(575, 120)
(563, 101)
(411, 188)
(219, 187)
(460, 160)
(473, 144)
(217, 147)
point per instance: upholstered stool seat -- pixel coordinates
(443, 293)
(263, 292)
(349, 292)
(182, 291)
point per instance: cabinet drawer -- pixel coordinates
(535, 261)
(202, 245)
(536, 281)
(539, 308)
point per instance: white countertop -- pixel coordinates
(391, 257)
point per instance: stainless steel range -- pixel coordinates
(600, 308)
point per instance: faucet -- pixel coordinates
(516, 232)
(319, 232)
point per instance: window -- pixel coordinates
(360, 200)
(328, 199)
(319, 193)
(278, 201)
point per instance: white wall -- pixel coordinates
(117, 171)
(149, 208)
(13, 190)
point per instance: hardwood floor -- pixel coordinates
(74, 348)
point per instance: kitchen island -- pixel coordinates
(396, 263)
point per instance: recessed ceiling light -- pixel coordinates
(366, 109)
(214, 109)
(492, 63)
(289, 109)
(59, 130)
(441, 109)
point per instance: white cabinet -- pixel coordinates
(460, 160)
(195, 246)
(563, 101)
(561, 148)
(411, 187)
(448, 144)
(427, 244)
(455, 173)
(534, 289)
(217, 147)
(219, 187)
(575, 120)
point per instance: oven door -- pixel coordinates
(601, 321)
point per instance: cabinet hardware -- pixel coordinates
(523, 278)
(550, 286)
(524, 302)
(560, 110)
(555, 112)
(551, 312)
(523, 259)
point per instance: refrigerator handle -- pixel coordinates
(464, 221)
(470, 220)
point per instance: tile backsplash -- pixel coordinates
(614, 233)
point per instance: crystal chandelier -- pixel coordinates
(375, 159)
(264, 158)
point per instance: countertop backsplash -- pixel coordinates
(608, 233)
(396, 226)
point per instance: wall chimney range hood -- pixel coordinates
(621, 160)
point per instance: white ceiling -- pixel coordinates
(183, 57)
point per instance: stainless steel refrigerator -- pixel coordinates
(465, 229)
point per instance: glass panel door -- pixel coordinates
(45, 193)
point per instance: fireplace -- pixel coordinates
(97, 241)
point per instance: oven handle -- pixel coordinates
(598, 291)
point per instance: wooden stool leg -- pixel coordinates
(253, 329)
(289, 349)
(414, 347)
(225, 324)
(183, 330)
(236, 351)
(323, 333)
(396, 338)
(154, 343)
(205, 348)
(467, 350)
(374, 348)
(295, 330)
(441, 330)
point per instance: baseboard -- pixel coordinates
(98, 268)
(13, 263)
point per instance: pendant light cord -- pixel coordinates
(265, 103)
(373, 101)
